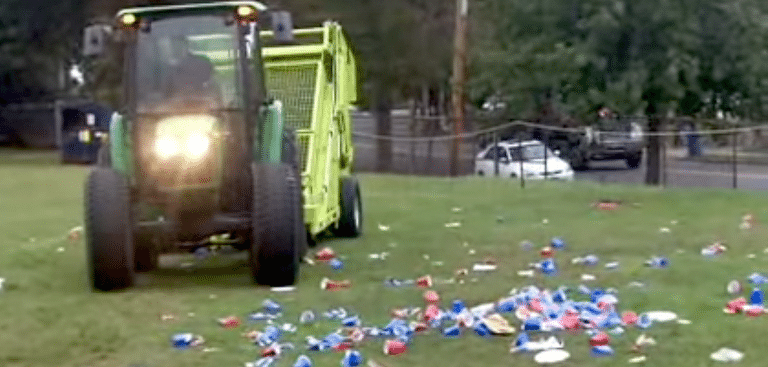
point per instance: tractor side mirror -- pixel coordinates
(282, 26)
(95, 39)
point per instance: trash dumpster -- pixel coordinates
(80, 124)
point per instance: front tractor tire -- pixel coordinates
(351, 219)
(109, 238)
(278, 228)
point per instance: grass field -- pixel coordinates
(50, 317)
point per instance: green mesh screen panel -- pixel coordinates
(294, 86)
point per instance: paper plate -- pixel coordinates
(661, 316)
(727, 355)
(551, 356)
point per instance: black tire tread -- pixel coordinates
(349, 198)
(277, 225)
(108, 230)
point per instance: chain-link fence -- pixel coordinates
(692, 153)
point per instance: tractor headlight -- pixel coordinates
(166, 147)
(197, 146)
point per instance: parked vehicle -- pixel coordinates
(528, 159)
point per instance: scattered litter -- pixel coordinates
(212, 296)
(547, 252)
(456, 210)
(727, 355)
(657, 262)
(326, 254)
(557, 243)
(60, 249)
(588, 260)
(661, 316)
(352, 358)
(431, 297)
(684, 322)
(664, 230)
(283, 289)
(587, 277)
(303, 361)
(333, 285)
(437, 263)
(545, 221)
(229, 322)
(747, 222)
(607, 204)
(758, 279)
(639, 359)
(713, 250)
(471, 251)
(336, 264)
(636, 284)
(673, 222)
(75, 233)
(551, 356)
(186, 340)
(393, 347)
(209, 350)
(602, 351)
(525, 273)
(424, 281)
(751, 256)
(599, 339)
(645, 341)
(612, 265)
(734, 287)
(453, 225)
(426, 257)
(167, 317)
(498, 325)
(383, 228)
(379, 256)
(483, 267)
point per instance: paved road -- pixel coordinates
(681, 173)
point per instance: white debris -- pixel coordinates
(60, 249)
(283, 289)
(483, 267)
(664, 230)
(727, 355)
(525, 273)
(453, 225)
(639, 359)
(587, 277)
(471, 251)
(456, 210)
(383, 228)
(545, 221)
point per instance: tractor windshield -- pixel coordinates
(187, 58)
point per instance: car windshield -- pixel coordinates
(186, 57)
(532, 152)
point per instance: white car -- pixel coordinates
(523, 159)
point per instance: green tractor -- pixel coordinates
(226, 131)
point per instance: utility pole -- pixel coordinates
(459, 80)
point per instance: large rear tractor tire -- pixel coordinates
(351, 220)
(109, 238)
(277, 224)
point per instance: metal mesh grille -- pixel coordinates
(294, 86)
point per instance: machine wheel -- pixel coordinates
(277, 224)
(146, 253)
(108, 230)
(633, 161)
(351, 220)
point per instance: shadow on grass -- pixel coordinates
(180, 271)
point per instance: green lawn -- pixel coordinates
(50, 317)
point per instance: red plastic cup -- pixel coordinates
(334, 285)
(394, 347)
(431, 313)
(424, 282)
(547, 252)
(629, 318)
(599, 340)
(325, 254)
(229, 322)
(431, 297)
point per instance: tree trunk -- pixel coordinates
(382, 114)
(653, 167)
